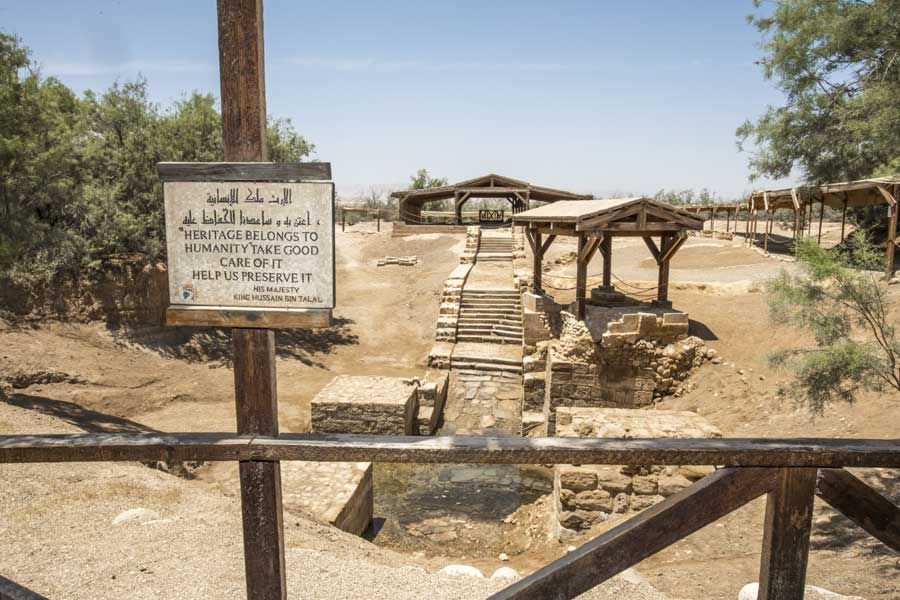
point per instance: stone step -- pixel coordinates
(488, 291)
(508, 328)
(488, 332)
(488, 305)
(487, 339)
(496, 313)
(494, 360)
(482, 366)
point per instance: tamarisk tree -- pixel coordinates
(846, 312)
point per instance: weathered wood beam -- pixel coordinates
(243, 99)
(861, 504)
(651, 246)
(739, 452)
(529, 235)
(296, 318)
(606, 249)
(788, 523)
(243, 171)
(643, 535)
(591, 249)
(673, 248)
(581, 276)
(546, 245)
(662, 285)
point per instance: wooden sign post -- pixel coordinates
(250, 246)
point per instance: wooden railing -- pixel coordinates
(790, 472)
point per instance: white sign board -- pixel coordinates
(250, 245)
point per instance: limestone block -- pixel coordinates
(593, 500)
(672, 484)
(621, 502)
(576, 479)
(644, 485)
(611, 479)
(367, 405)
(639, 502)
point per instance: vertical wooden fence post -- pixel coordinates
(788, 522)
(242, 78)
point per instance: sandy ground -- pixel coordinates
(82, 377)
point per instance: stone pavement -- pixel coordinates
(485, 391)
(483, 403)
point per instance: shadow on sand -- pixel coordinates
(89, 420)
(833, 531)
(210, 344)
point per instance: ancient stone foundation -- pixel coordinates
(368, 405)
(587, 495)
(339, 494)
(613, 359)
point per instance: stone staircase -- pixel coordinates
(492, 316)
(499, 366)
(495, 248)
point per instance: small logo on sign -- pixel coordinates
(188, 294)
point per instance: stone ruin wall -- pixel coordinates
(451, 298)
(639, 358)
(585, 495)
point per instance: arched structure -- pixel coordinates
(519, 193)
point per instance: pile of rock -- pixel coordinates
(403, 261)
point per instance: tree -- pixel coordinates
(422, 180)
(855, 343)
(838, 64)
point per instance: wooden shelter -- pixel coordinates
(519, 193)
(839, 196)
(731, 213)
(594, 223)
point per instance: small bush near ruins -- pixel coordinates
(856, 347)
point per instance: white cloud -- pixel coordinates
(76, 69)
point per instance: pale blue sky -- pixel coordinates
(599, 97)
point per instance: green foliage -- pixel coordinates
(78, 176)
(422, 180)
(845, 311)
(837, 63)
(689, 196)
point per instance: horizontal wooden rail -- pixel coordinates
(174, 447)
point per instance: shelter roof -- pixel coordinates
(862, 192)
(635, 214)
(491, 185)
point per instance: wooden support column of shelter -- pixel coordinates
(795, 201)
(242, 77)
(891, 240)
(538, 249)
(580, 276)
(843, 217)
(606, 251)
(587, 247)
(821, 216)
